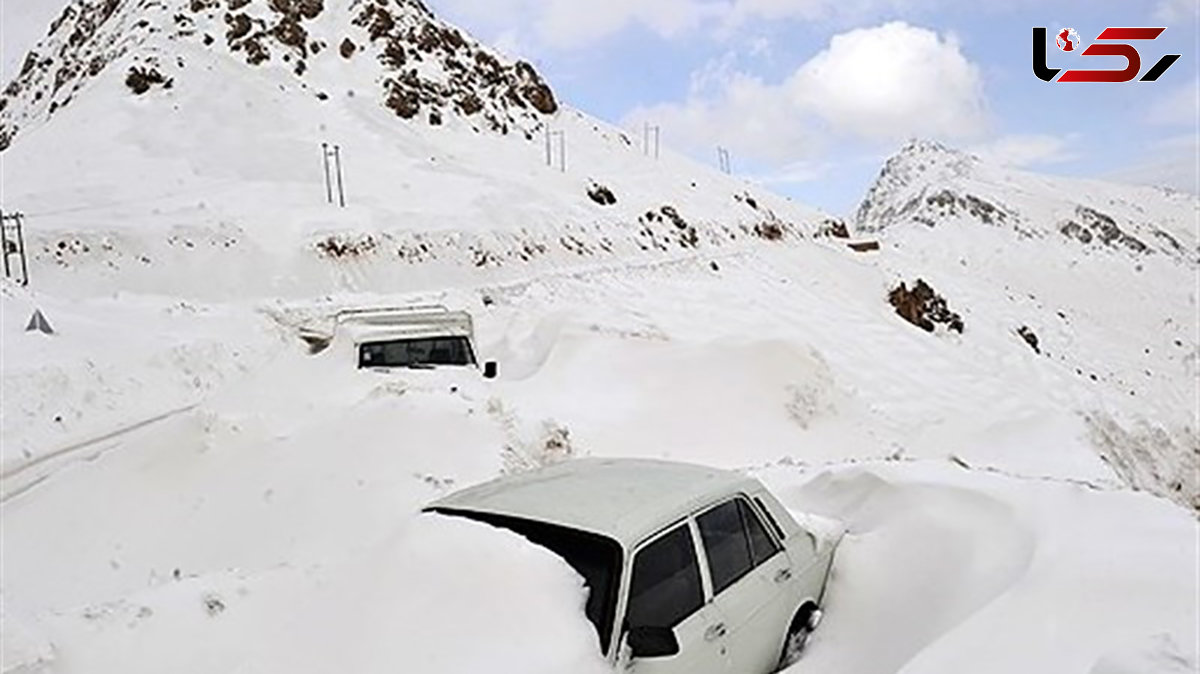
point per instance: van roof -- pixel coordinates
(624, 499)
(404, 323)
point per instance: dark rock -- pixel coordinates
(923, 307)
(602, 195)
(140, 79)
(864, 246)
(1030, 338)
(769, 231)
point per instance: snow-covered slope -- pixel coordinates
(185, 488)
(1102, 276)
(127, 190)
(930, 184)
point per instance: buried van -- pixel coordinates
(420, 337)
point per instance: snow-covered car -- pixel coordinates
(689, 569)
(414, 337)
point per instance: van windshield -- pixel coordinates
(596, 558)
(418, 352)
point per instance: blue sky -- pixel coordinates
(810, 96)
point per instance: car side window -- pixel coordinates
(735, 541)
(665, 586)
(726, 544)
(762, 546)
(762, 507)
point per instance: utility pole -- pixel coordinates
(325, 165)
(333, 152)
(562, 149)
(12, 236)
(725, 160)
(648, 132)
(337, 160)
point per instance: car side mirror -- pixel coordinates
(490, 370)
(652, 642)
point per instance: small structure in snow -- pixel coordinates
(38, 322)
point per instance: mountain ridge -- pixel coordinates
(424, 65)
(927, 183)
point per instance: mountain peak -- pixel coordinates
(421, 68)
(929, 184)
(918, 161)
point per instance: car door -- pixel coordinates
(666, 590)
(751, 583)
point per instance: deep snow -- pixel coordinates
(185, 488)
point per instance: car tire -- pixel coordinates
(797, 637)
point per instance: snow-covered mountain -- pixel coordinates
(184, 487)
(423, 67)
(930, 184)
(145, 132)
(1099, 279)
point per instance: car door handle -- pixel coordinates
(783, 575)
(715, 632)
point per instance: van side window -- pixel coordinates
(735, 541)
(665, 586)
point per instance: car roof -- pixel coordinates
(624, 499)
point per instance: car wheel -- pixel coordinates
(797, 638)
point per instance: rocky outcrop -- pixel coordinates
(923, 307)
(426, 71)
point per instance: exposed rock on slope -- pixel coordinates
(423, 68)
(1096, 279)
(931, 185)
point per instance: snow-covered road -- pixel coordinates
(273, 527)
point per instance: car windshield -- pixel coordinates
(596, 558)
(419, 352)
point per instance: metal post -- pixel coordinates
(549, 160)
(4, 242)
(562, 150)
(21, 247)
(337, 159)
(325, 165)
(657, 139)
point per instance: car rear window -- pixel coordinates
(665, 586)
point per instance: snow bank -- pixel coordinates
(946, 570)
(418, 601)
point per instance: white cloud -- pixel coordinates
(794, 173)
(1179, 106)
(1026, 150)
(880, 84)
(753, 119)
(574, 24)
(1174, 11)
(1172, 162)
(892, 82)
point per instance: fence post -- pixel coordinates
(337, 159)
(325, 166)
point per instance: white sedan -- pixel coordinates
(689, 569)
